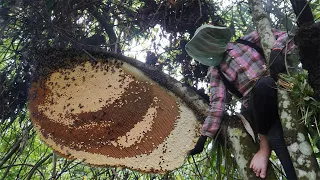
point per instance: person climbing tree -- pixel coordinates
(240, 68)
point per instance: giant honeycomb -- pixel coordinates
(106, 112)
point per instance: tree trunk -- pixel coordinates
(242, 147)
(308, 42)
(297, 140)
(261, 21)
(295, 132)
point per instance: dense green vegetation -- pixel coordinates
(154, 31)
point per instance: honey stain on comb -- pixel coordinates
(110, 120)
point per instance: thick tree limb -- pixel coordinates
(303, 12)
(297, 140)
(54, 168)
(37, 165)
(14, 149)
(242, 147)
(107, 27)
(261, 21)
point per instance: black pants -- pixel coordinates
(264, 104)
(264, 108)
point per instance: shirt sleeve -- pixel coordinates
(283, 41)
(217, 103)
(252, 37)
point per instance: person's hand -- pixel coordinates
(277, 63)
(199, 146)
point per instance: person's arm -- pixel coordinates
(217, 102)
(281, 46)
(282, 40)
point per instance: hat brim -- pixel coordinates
(208, 44)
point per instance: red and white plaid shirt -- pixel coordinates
(242, 66)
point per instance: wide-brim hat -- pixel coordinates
(208, 44)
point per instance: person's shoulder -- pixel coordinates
(274, 30)
(278, 32)
(252, 36)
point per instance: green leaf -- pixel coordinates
(49, 4)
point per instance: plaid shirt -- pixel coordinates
(242, 66)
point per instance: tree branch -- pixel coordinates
(14, 148)
(36, 166)
(106, 25)
(297, 139)
(261, 21)
(54, 168)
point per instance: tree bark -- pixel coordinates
(102, 18)
(261, 21)
(295, 133)
(297, 140)
(242, 147)
(54, 166)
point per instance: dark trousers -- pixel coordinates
(264, 110)
(264, 104)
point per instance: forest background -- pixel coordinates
(153, 31)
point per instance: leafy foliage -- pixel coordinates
(28, 27)
(161, 28)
